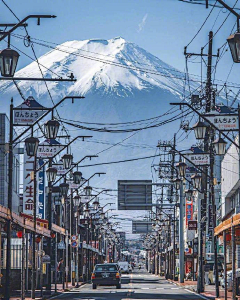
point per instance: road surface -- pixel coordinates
(138, 285)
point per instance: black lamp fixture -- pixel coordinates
(51, 174)
(177, 183)
(67, 161)
(31, 144)
(64, 189)
(181, 166)
(197, 181)
(86, 213)
(96, 204)
(188, 193)
(102, 215)
(234, 45)
(77, 176)
(200, 130)
(88, 190)
(8, 62)
(76, 200)
(51, 128)
(220, 146)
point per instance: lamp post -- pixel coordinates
(12, 141)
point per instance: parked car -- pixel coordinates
(124, 266)
(106, 274)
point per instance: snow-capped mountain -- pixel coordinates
(109, 67)
(121, 82)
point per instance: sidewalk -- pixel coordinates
(45, 296)
(209, 289)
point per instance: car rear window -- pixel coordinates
(106, 268)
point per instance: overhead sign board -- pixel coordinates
(28, 112)
(49, 148)
(72, 185)
(224, 122)
(141, 227)
(199, 159)
(134, 194)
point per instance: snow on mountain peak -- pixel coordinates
(111, 67)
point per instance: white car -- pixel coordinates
(123, 265)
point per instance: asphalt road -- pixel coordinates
(139, 285)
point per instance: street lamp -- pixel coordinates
(67, 161)
(51, 128)
(31, 144)
(88, 190)
(188, 193)
(86, 213)
(64, 189)
(220, 146)
(102, 215)
(8, 62)
(177, 182)
(77, 176)
(76, 200)
(197, 180)
(96, 204)
(200, 130)
(234, 45)
(181, 166)
(51, 174)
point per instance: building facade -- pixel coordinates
(4, 139)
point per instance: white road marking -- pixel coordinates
(144, 288)
(174, 288)
(196, 294)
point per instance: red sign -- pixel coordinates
(189, 211)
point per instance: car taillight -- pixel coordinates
(117, 275)
(93, 276)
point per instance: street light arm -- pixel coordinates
(45, 114)
(77, 137)
(5, 34)
(205, 119)
(87, 156)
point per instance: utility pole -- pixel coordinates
(207, 202)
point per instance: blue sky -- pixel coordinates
(162, 27)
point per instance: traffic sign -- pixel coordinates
(74, 244)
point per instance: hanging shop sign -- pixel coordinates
(85, 199)
(61, 245)
(41, 191)
(28, 184)
(60, 169)
(189, 211)
(28, 112)
(200, 159)
(224, 122)
(72, 185)
(192, 225)
(49, 148)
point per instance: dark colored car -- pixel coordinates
(106, 274)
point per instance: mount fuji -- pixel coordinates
(121, 83)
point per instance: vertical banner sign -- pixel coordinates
(189, 211)
(41, 195)
(28, 184)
